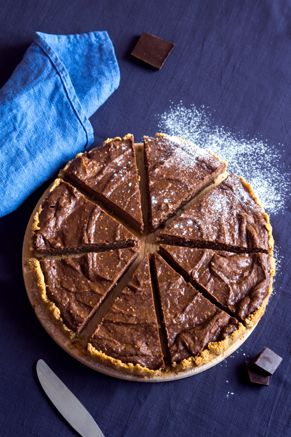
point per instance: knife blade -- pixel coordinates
(66, 402)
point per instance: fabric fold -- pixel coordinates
(45, 108)
(94, 74)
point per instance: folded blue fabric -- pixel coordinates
(45, 108)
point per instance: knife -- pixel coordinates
(66, 402)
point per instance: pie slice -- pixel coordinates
(129, 332)
(177, 170)
(76, 285)
(67, 220)
(110, 173)
(228, 216)
(191, 320)
(238, 281)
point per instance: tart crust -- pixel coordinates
(54, 310)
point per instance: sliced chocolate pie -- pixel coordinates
(148, 258)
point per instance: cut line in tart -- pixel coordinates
(110, 173)
(228, 216)
(129, 331)
(77, 284)
(68, 221)
(176, 171)
(148, 260)
(191, 321)
(239, 282)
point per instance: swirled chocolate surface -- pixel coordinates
(176, 172)
(77, 284)
(238, 281)
(190, 319)
(129, 331)
(110, 172)
(227, 215)
(69, 221)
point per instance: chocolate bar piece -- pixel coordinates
(152, 50)
(256, 376)
(268, 361)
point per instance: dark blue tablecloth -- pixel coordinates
(235, 58)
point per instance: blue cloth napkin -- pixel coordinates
(45, 108)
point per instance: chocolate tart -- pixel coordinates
(148, 261)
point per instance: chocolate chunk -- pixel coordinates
(152, 50)
(268, 361)
(256, 376)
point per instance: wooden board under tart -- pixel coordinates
(148, 261)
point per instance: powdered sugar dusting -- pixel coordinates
(279, 260)
(219, 204)
(279, 270)
(186, 152)
(256, 160)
